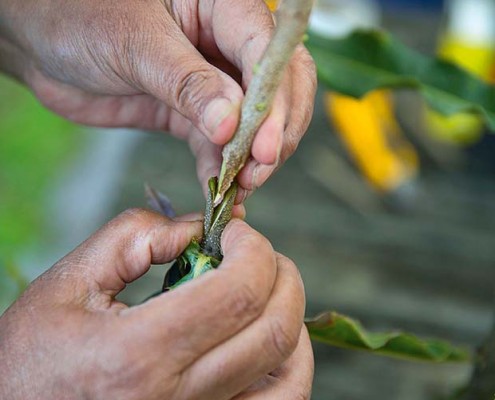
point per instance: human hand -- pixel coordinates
(234, 332)
(177, 65)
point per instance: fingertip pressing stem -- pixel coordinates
(292, 20)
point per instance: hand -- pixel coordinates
(177, 65)
(235, 332)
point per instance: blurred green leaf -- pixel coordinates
(34, 145)
(341, 331)
(369, 60)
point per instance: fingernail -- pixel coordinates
(242, 195)
(280, 145)
(215, 113)
(261, 174)
(193, 217)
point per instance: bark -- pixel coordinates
(292, 19)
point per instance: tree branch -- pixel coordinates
(292, 19)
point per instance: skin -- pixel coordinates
(177, 66)
(180, 66)
(234, 333)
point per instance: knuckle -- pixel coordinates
(255, 242)
(291, 143)
(190, 87)
(136, 217)
(243, 236)
(135, 213)
(282, 339)
(298, 293)
(306, 61)
(246, 301)
(289, 264)
(292, 137)
(302, 395)
(307, 68)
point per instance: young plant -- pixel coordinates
(355, 65)
(200, 257)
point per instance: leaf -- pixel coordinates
(369, 60)
(341, 331)
(159, 202)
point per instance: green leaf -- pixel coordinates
(369, 60)
(34, 146)
(341, 331)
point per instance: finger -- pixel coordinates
(123, 250)
(254, 174)
(208, 161)
(131, 111)
(208, 158)
(263, 346)
(239, 211)
(292, 380)
(267, 144)
(192, 319)
(302, 86)
(171, 69)
(245, 48)
(303, 91)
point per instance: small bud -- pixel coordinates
(261, 107)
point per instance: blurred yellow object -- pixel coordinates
(272, 4)
(367, 126)
(374, 139)
(476, 59)
(467, 42)
(462, 129)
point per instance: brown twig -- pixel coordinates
(292, 19)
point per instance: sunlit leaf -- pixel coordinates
(341, 331)
(368, 60)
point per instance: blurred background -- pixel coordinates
(387, 208)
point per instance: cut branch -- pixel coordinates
(292, 19)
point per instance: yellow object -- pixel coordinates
(477, 59)
(374, 139)
(463, 129)
(468, 41)
(272, 4)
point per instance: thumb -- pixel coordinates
(121, 252)
(173, 71)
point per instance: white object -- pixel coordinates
(337, 18)
(472, 20)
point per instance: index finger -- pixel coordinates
(245, 48)
(194, 318)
